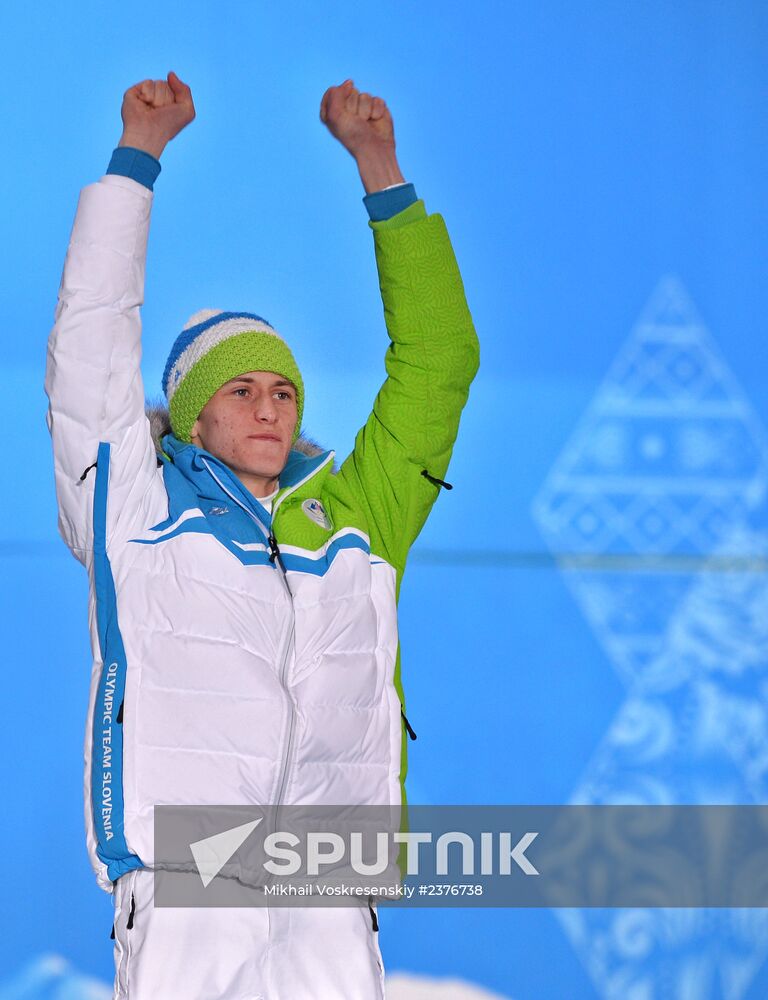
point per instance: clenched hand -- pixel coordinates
(363, 125)
(154, 111)
(358, 120)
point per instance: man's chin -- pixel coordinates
(266, 446)
(267, 469)
(269, 461)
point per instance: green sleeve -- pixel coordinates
(431, 361)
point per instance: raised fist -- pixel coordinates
(154, 111)
(361, 123)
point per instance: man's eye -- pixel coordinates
(241, 389)
(283, 394)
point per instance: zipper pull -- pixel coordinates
(374, 921)
(273, 548)
(407, 724)
(120, 713)
(435, 480)
(129, 925)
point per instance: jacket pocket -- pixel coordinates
(374, 932)
(122, 931)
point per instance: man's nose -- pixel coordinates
(265, 409)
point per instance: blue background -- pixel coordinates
(579, 153)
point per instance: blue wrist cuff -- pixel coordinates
(136, 164)
(384, 204)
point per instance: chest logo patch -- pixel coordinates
(316, 512)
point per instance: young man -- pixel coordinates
(243, 593)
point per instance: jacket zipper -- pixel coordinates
(275, 556)
(283, 668)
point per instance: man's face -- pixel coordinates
(248, 423)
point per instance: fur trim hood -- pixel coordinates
(160, 425)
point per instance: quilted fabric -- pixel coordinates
(241, 658)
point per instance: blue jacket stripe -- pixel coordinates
(320, 566)
(107, 748)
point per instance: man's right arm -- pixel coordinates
(93, 378)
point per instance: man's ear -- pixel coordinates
(195, 432)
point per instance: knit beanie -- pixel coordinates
(213, 348)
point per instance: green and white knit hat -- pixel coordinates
(213, 348)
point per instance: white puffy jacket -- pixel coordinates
(240, 658)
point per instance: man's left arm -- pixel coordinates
(402, 452)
